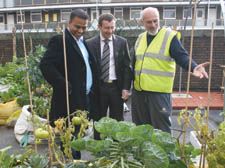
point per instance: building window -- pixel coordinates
(25, 2)
(118, 13)
(135, 13)
(200, 13)
(65, 15)
(221, 14)
(46, 17)
(17, 2)
(55, 17)
(36, 17)
(38, 2)
(19, 18)
(104, 11)
(187, 12)
(51, 1)
(1, 19)
(94, 14)
(64, 1)
(169, 13)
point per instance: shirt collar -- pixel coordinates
(102, 38)
(78, 40)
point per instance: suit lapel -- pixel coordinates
(98, 50)
(70, 39)
(115, 49)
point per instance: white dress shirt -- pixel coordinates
(112, 72)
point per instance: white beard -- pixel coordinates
(153, 34)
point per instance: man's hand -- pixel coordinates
(125, 95)
(199, 71)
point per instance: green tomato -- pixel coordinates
(40, 133)
(38, 141)
(76, 121)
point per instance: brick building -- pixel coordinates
(45, 15)
(48, 11)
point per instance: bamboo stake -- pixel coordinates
(14, 41)
(31, 44)
(210, 71)
(1, 58)
(49, 142)
(188, 81)
(28, 80)
(58, 29)
(204, 153)
(201, 158)
(182, 42)
(209, 86)
(66, 79)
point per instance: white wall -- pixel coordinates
(2, 3)
(9, 3)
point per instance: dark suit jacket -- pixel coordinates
(52, 68)
(122, 59)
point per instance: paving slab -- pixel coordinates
(197, 99)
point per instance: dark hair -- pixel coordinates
(78, 13)
(106, 16)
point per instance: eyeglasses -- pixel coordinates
(80, 27)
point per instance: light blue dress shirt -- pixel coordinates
(85, 54)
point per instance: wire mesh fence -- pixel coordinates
(39, 34)
(11, 43)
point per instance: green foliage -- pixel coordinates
(126, 145)
(164, 140)
(12, 72)
(153, 155)
(75, 165)
(37, 161)
(7, 96)
(6, 161)
(216, 148)
(189, 152)
(14, 75)
(26, 160)
(36, 77)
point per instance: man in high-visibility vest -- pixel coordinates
(157, 51)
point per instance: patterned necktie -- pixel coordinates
(105, 61)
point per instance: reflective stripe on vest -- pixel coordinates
(154, 68)
(152, 72)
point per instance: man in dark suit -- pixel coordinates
(81, 68)
(113, 60)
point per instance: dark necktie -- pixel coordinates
(105, 61)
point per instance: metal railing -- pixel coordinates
(19, 3)
(120, 24)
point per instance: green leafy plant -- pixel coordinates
(190, 153)
(25, 160)
(216, 148)
(13, 74)
(6, 161)
(125, 145)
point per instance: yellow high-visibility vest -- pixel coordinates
(154, 68)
